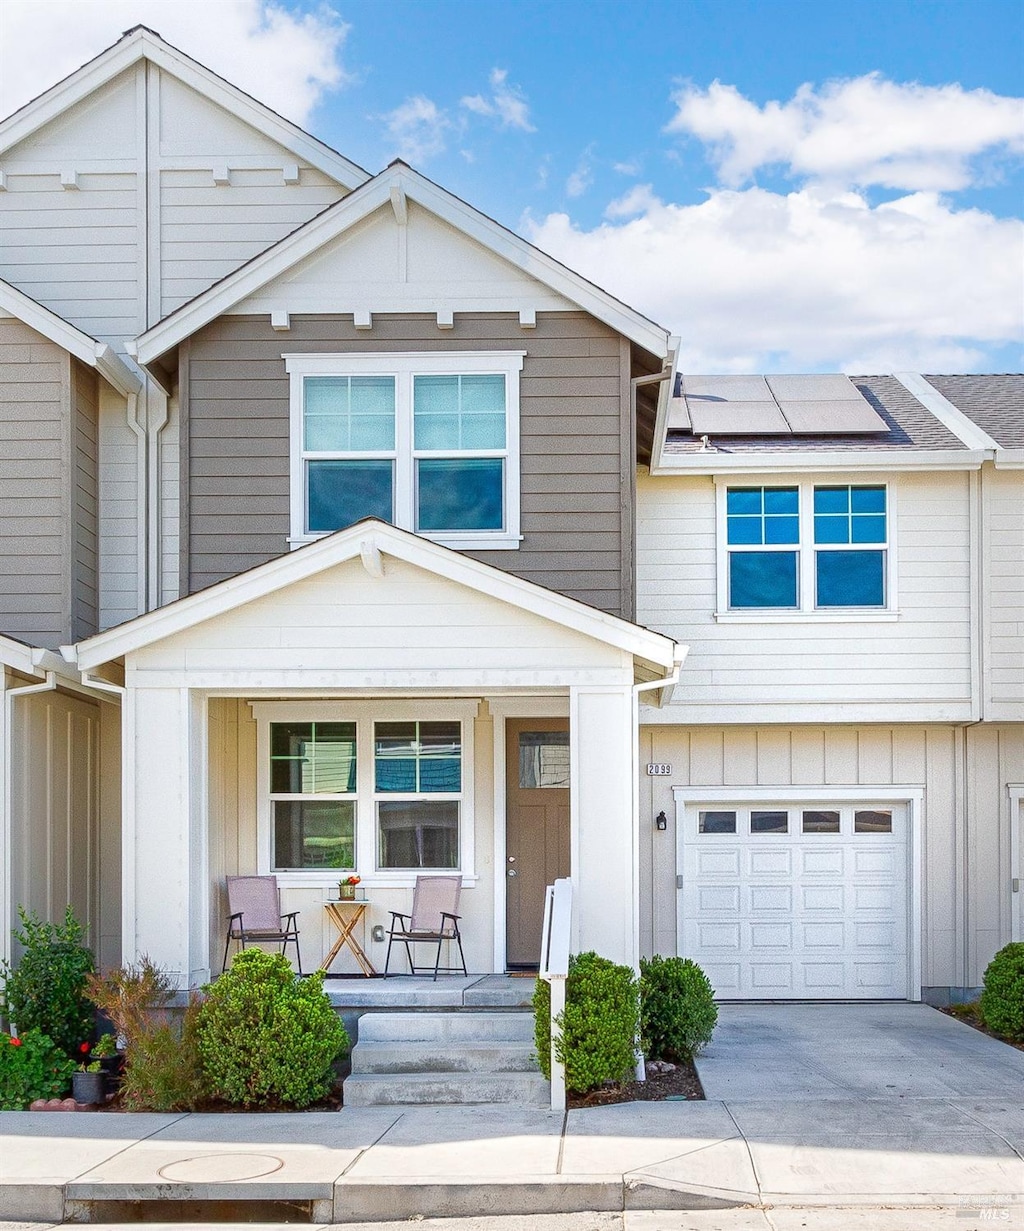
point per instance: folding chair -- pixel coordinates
(254, 903)
(434, 920)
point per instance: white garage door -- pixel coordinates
(796, 901)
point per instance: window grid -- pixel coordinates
(865, 520)
(474, 490)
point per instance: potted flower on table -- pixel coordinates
(347, 888)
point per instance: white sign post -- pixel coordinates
(554, 967)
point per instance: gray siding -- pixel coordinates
(575, 442)
(83, 495)
(34, 452)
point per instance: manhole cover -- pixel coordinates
(221, 1168)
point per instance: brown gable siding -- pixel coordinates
(34, 460)
(575, 442)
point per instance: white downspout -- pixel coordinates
(48, 684)
(667, 681)
(141, 479)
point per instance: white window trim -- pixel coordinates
(685, 797)
(806, 612)
(364, 714)
(1015, 792)
(404, 365)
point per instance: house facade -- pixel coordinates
(347, 532)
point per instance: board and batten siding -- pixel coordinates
(916, 667)
(35, 479)
(1003, 578)
(574, 463)
(967, 897)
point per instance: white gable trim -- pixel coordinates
(950, 416)
(352, 209)
(140, 44)
(363, 541)
(96, 354)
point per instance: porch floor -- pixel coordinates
(399, 992)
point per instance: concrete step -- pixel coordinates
(432, 1056)
(397, 1089)
(451, 1027)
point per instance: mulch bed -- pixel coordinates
(682, 1083)
(970, 1016)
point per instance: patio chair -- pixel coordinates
(434, 919)
(254, 903)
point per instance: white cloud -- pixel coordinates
(627, 168)
(638, 200)
(860, 131)
(758, 281)
(582, 178)
(417, 128)
(285, 59)
(507, 103)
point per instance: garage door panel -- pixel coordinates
(792, 915)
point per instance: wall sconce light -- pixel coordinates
(377, 932)
(661, 821)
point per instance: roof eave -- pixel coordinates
(714, 461)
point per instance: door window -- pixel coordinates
(543, 759)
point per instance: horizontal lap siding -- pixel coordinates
(922, 659)
(570, 428)
(34, 397)
(84, 497)
(1004, 515)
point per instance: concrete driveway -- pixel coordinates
(813, 1051)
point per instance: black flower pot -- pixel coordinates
(88, 1087)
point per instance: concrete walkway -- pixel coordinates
(894, 1147)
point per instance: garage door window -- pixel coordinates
(820, 822)
(872, 822)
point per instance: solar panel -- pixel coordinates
(823, 404)
(832, 418)
(736, 418)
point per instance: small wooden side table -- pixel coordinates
(345, 915)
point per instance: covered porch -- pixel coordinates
(377, 705)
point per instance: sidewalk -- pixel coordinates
(393, 1163)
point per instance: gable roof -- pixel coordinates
(96, 354)
(369, 540)
(390, 187)
(141, 43)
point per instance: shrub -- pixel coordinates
(266, 1037)
(46, 991)
(677, 1008)
(1002, 1000)
(32, 1066)
(599, 1025)
(162, 1070)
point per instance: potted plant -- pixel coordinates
(347, 888)
(88, 1081)
(110, 1059)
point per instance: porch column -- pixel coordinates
(603, 822)
(164, 855)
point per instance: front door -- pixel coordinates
(536, 828)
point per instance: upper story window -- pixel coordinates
(429, 442)
(805, 547)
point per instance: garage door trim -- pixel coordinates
(911, 797)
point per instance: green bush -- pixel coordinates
(1002, 1000)
(266, 1037)
(599, 1025)
(677, 1008)
(31, 1067)
(162, 1070)
(46, 991)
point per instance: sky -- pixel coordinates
(788, 185)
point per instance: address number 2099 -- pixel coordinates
(659, 769)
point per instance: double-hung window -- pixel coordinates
(429, 442)
(381, 790)
(805, 547)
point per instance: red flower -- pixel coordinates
(15, 1042)
(85, 1048)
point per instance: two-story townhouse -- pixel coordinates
(843, 764)
(380, 587)
(468, 691)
